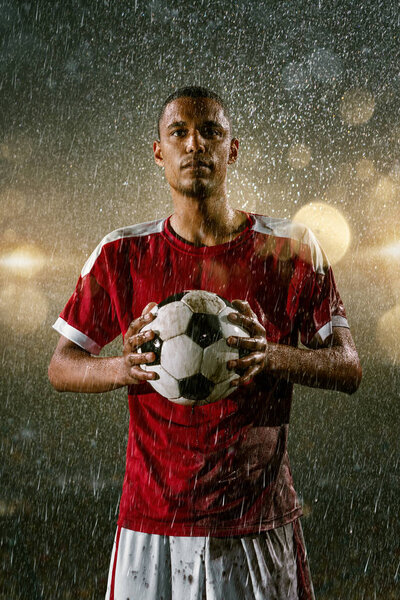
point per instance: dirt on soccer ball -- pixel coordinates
(190, 346)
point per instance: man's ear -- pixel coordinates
(233, 151)
(158, 157)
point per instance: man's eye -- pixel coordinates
(212, 132)
(178, 132)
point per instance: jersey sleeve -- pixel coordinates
(323, 308)
(89, 318)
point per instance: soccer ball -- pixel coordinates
(190, 347)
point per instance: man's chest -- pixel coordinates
(158, 273)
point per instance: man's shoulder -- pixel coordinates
(123, 233)
(279, 227)
(137, 230)
(301, 241)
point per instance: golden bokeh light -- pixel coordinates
(330, 227)
(386, 189)
(357, 106)
(391, 250)
(299, 156)
(365, 169)
(387, 334)
(25, 261)
(23, 308)
(382, 208)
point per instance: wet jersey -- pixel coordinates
(221, 469)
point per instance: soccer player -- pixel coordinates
(208, 507)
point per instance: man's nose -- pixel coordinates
(195, 142)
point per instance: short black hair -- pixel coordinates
(192, 91)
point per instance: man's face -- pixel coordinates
(195, 146)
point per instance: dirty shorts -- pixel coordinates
(271, 565)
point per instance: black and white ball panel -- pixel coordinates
(216, 370)
(166, 385)
(172, 320)
(195, 388)
(181, 356)
(204, 329)
(227, 327)
(191, 351)
(153, 345)
(205, 302)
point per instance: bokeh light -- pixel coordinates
(299, 156)
(387, 334)
(25, 261)
(391, 250)
(386, 189)
(382, 209)
(357, 106)
(81, 89)
(23, 308)
(325, 65)
(365, 169)
(330, 227)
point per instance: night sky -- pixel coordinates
(313, 88)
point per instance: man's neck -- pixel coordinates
(206, 222)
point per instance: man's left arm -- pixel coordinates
(334, 365)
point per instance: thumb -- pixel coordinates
(148, 307)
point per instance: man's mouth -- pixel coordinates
(196, 164)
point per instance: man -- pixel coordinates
(208, 508)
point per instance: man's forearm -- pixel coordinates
(74, 370)
(336, 367)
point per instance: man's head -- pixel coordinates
(192, 92)
(195, 144)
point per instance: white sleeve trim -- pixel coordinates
(139, 230)
(76, 336)
(338, 321)
(326, 330)
(295, 231)
(323, 333)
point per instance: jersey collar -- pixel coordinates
(187, 247)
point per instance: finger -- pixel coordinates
(136, 340)
(140, 359)
(148, 307)
(246, 377)
(253, 344)
(141, 375)
(255, 358)
(138, 323)
(243, 307)
(251, 324)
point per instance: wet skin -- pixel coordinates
(195, 147)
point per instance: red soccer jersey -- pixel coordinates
(221, 469)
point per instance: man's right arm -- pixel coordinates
(73, 369)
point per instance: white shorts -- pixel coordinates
(254, 567)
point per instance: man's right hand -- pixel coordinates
(73, 369)
(132, 340)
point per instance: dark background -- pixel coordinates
(80, 85)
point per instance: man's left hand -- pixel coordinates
(254, 363)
